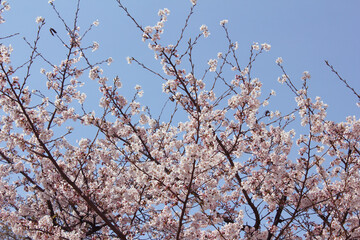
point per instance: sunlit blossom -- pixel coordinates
(109, 60)
(223, 22)
(306, 75)
(212, 63)
(96, 23)
(95, 46)
(205, 31)
(255, 46)
(266, 46)
(39, 19)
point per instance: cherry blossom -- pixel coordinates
(223, 22)
(279, 60)
(224, 163)
(204, 30)
(96, 23)
(39, 19)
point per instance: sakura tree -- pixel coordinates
(224, 166)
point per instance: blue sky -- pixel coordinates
(304, 33)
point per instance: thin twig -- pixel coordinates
(343, 80)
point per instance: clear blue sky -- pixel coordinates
(304, 33)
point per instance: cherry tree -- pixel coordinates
(230, 169)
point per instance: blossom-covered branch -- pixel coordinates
(222, 164)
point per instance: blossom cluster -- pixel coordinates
(232, 168)
(3, 7)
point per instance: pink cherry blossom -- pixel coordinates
(221, 161)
